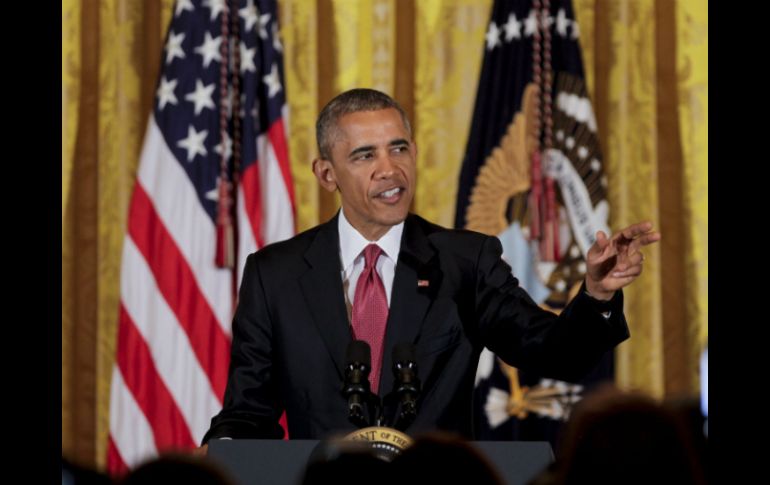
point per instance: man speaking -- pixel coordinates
(379, 274)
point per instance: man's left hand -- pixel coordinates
(615, 262)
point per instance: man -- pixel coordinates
(448, 292)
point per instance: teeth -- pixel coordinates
(390, 193)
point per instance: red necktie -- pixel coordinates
(370, 311)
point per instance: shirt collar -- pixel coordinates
(352, 243)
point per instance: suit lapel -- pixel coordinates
(409, 300)
(322, 288)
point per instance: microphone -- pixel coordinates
(406, 383)
(355, 388)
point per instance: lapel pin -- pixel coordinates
(423, 283)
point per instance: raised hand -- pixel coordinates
(615, 262)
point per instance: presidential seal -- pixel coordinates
(384, 443)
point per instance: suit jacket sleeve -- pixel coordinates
(524, 335)
(251, 407)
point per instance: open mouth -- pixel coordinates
(391, 195)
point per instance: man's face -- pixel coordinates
(373, 166)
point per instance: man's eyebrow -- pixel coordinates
(365, 148)
(368, 148)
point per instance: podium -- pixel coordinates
(282, 462)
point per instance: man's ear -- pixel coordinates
(324, 172)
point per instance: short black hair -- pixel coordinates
(352, 101)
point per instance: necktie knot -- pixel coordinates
(371, 254)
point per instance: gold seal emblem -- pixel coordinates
(385, 443)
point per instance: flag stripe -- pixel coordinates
(151, 393)
(115, 462)
(247, 242)
(278, 217)
(177, 285)
(252, 200)
(129, 429)
(172, 354)
(277, 136)
(265, 204)
(178, 206)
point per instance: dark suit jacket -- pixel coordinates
(291, 331)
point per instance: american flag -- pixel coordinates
(214, 163)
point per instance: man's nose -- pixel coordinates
(385, 167)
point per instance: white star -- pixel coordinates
(247, 58)
(560, 135)
(595, 165)
(210, 50)
(530, 24)
(570, 143)
(174, 47)
(166, 92)
(562, 22)
(575, 30)
(181, 6)
(201, 96)
(263, 20)
(193, 143)
(276, 39)
(249, 14)
(213, 194)
(582, 152)
(216, 6)
(512, 28)
(493, 36)
(272, 81)
(228, 143)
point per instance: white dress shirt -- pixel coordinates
(352, 245)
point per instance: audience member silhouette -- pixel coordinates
(178, 468)
(623, 437)
(444, 458)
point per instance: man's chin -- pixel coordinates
(391, 220)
